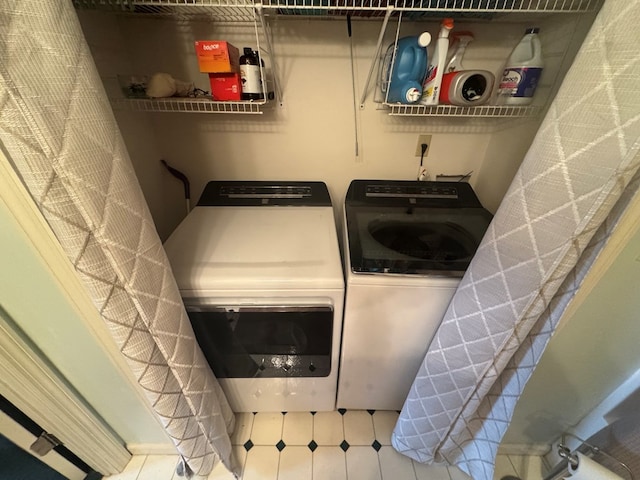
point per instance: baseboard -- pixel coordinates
(537, 450)
(152, 449)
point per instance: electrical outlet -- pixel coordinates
(423, 139)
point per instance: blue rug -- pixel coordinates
(16, 464)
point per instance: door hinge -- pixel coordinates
(45, 443)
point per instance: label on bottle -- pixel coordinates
(519, 81)
(250, 76)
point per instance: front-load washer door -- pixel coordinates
(265, 341)
(437, 241)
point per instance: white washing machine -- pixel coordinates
(407, 246)
(259, 269)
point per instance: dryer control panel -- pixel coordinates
(259, 193)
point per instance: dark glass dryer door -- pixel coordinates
(265, 341)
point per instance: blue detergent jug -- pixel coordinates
(409, 69)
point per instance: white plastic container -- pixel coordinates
(433, 79)
(522, 71)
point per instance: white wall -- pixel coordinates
(312, 136)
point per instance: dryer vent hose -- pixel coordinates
(185, 182)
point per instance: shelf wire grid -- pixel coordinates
(397, 109)
(336, 7)
(189, 105)
(220, 10)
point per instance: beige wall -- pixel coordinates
(312, 136)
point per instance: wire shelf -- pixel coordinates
(231, 11)
(366, 8)
(189, 105)
(397, 109)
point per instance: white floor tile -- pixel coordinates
(328, 461)
(358, 427)
(329, 464)
(430, 472)
(395, 466)
(262, 463)
(457, 474)
(220, 472)
(327, 428)
(158, 467)
(195, 477)
(362, 464)
(383, 423)
(267, 428)
(132, 469)
(242, 432)
(295, 463)
(298, 428)
(240, 457)
(503, 468)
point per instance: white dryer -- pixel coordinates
(259, 270)
(408, 244)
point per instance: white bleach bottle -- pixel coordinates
(522, 71)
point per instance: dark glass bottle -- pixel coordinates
(250, 75)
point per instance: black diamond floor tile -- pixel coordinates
(376, 445)
(312, 445)
(280, 445)
(371, 412)
(342, 411)
(248, 445)
(344, 446)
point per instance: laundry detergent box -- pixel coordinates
(226, 86)
(217, 56)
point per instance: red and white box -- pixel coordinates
(226, 86)
(217, 56)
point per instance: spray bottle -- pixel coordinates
(431, 85)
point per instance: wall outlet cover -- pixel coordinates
(423, 139)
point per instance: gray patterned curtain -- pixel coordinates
(574, 182)
(57, 127)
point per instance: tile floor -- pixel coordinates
(341, 445)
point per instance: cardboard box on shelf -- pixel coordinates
(226, 86)
(217, 56)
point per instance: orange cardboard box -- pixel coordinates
(217, 56)
(226, 86)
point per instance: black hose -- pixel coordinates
(180, 176)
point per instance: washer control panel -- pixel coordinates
(411, 191)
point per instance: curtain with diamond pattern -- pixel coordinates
(57, 127)
(574, 183)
